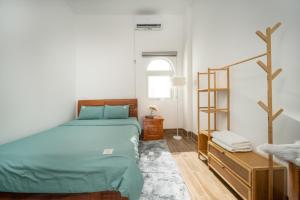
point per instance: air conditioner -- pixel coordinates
(148, 23)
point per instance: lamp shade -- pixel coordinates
(178, 81)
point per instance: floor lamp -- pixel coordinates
(177, 82)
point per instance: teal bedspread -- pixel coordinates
(69, 159)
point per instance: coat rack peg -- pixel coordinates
(263, 106)
(261, 35)
(275, 27)
(277, 114)
(276, 73)
(263, 66)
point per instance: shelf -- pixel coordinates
(213, 110)
(211, 92)
(205, 132)
(203, 153)
(213, 89)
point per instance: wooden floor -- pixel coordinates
(187, 144)
(202, 183)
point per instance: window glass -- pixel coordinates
(159, 78)
(159, 87)
(159, 65)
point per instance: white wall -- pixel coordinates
(104, 56)
(224, 32)
(107, 47)
(37, 73)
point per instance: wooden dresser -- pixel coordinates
(153, 128)
(247, 173)
(294, 182)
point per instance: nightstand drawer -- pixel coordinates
(153, 123)
(153, 132)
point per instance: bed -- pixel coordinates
(63, 163)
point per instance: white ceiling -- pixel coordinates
(128, 6)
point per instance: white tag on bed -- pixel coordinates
(108, 151)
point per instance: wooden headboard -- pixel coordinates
(133, 106)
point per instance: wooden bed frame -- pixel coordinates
(109, 195)
(133, 104)
(106, 195)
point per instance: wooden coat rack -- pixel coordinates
(267, 38)
(271, 75)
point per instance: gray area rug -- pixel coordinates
(162, 180)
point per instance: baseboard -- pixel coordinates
(174, 130)
(194, 136)
(183, 132)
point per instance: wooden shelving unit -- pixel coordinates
(213, 110)
(212, 91)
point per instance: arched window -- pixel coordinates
(159, 72)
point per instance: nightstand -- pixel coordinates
(153, 128)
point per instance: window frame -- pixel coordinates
(169, 73)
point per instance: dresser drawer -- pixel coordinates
(242, 189)
(241, 171)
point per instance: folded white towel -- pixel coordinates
(230, 148)
(287, 152)
(242, 145)
(232, 139)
